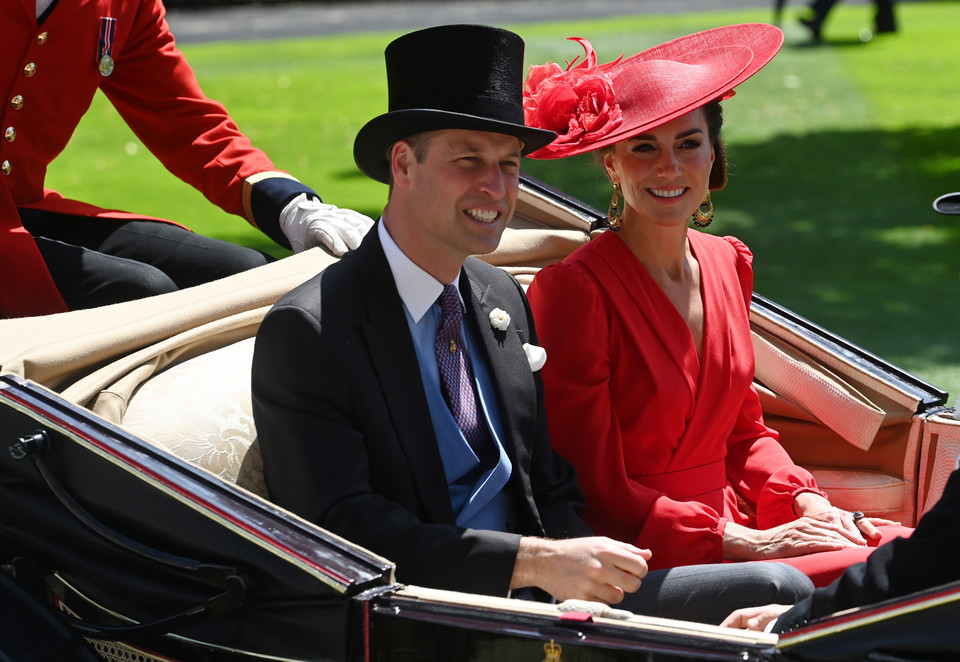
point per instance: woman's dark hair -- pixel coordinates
(713, 112)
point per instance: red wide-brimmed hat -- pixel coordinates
(591, 106)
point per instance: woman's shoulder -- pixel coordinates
(728, 246)
(604, 248)
(728, 258)
(559, 277)
(743, 251)
(576, 273)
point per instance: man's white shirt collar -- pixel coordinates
(418, 289)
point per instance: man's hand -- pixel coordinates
(754, 618)
(598, 569)
(307, 222)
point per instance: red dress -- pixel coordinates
(668, 447)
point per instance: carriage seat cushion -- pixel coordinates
(200, 411)
(875, 493)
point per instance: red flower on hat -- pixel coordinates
(578, 103)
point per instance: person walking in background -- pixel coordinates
(884, 20)
(58, 254)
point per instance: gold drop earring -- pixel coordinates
(703, 216)
(614, 213)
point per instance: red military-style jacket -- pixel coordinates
(49, 75)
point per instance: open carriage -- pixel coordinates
(133, 511)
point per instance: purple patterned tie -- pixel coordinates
(456, 380)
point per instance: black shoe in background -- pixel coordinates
(813, 24)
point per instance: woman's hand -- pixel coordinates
(817, 507)
(821, 527)
(807, 535)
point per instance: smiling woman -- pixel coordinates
(666, 174)
(658, 413)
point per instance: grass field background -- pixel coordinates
(836, 153)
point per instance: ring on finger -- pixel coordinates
(857, 516)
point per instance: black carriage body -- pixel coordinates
(241, 574)
(182, 536)
(312, 596)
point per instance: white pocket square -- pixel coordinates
(536, 356)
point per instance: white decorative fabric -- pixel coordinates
(200, 411)
(536, 356)
(813, 388)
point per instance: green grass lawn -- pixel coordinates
(836, 154)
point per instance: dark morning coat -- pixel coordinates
(926, 559)
(346, 435)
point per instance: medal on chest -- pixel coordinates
(108, 31)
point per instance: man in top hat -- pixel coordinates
(396, 394)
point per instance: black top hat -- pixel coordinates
(449, 77)
(948, 203)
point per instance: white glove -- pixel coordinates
(307, 222)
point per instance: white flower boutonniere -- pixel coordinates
(499, 319)
(536, 356)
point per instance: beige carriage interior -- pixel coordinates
(175, 369)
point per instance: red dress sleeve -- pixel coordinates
(759, 469)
